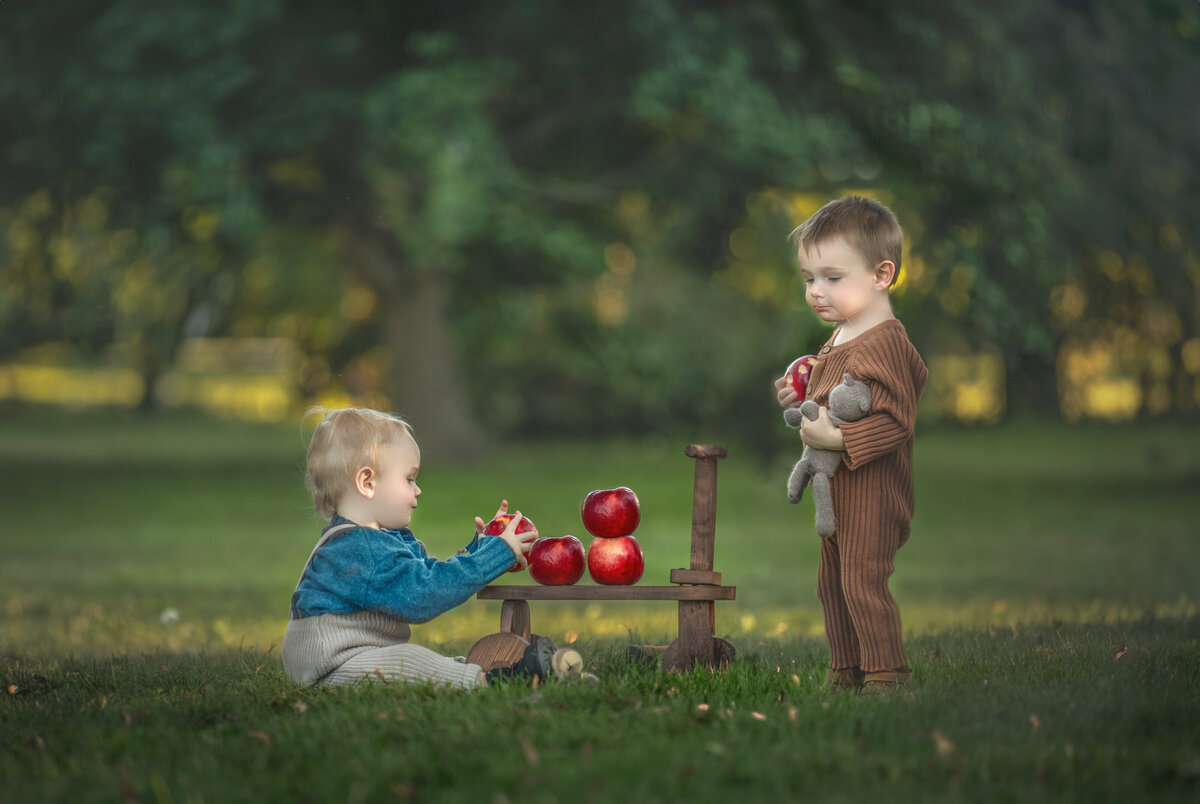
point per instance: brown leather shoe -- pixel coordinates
(845, 679)
(885, 681)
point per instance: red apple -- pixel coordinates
(610, 513)
(556, 560)
(799, 372)
(497, 526)
(615, 562)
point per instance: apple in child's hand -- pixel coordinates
(799, 372)
(556, 560)
(610, 513)
(615, 562)
(497, 526)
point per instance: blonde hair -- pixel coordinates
(869, 227)
(343, 442)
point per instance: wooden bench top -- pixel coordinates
(589, 592)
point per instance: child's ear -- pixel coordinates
(885, 272)
(364, 482)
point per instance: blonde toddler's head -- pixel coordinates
(343, 442)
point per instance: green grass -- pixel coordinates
(1049, 594)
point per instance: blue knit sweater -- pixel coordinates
(390, 572)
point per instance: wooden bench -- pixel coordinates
(696, 588)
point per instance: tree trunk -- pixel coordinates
(1031, 385)
(423, 377)
(424, 382)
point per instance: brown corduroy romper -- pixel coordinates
(872, 496)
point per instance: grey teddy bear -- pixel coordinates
(848, 402)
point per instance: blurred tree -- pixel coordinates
(139, 195)
(1025, 140)
(559, 198)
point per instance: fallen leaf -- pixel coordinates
(262, 737)
(702, 707)
(1120, 653)
(532, 759)
(300, 706)
(382, 677)
(793, 713)
(571, 637)
(943, 745)
(1035, 721)
(13, 689)
(759, 716)
(164, 668)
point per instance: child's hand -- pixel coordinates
(501, 511)
(786, 394)
(822, 433)
(521, 543)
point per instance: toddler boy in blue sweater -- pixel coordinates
(369, 578)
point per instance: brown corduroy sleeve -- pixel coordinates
(896, 375)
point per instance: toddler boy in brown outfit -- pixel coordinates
(849, 254)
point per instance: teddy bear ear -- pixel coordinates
(846, 378)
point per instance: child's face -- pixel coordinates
(838, 283)
(397, 490)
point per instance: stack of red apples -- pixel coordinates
(614, 557)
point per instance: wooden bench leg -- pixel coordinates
(506, 647)
(695, 642)
(514, 618)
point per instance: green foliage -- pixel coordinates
(1039, 156)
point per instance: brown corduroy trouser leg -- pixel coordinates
(862, 619)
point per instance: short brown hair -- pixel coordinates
(345, 441)
(869, 227)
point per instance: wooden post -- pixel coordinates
(697, 619)
(704, 503)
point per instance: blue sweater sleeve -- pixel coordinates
(391, 573)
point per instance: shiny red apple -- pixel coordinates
(610, 513)
(616, 561)
(556, 560)
(799, 372)
(497, 526)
